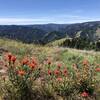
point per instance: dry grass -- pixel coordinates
(66, 56)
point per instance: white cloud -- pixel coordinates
(62, 18)
(9, 21)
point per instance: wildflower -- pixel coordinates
(84, 94)
(21, 72)
(59, 65)
(97, 69)
(25, 61)
(13, 59)
(34, 61)
(59, 79)
(65, 72)
(57, 72)
(49, 72)
(9, 56)
(49, 62)
(32, 65)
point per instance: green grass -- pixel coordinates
(66, 56)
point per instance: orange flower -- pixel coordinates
(85, 62)
(8, 56)
(25, 61)
(57, 72)
(65, 72)
(34, 61)
(97, 69)
(13, 59)
(59, 65)
(21, 72)
(32, 65)
(49, 62)
(59, 79)
(84, 94)
(49, 72)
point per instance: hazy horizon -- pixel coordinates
(49, 23)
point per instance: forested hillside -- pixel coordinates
(46, 33)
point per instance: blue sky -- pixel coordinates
(48, 11)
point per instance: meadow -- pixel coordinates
(35, 72)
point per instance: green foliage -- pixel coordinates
(81, 43)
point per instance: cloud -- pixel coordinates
(60, 19)
(75, 19)
(9, 21)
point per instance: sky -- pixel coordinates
(24, 12)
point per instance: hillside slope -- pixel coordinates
(50, 32)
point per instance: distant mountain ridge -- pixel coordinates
(46, 33)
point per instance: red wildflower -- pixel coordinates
(84, 94)
(59, 79)
(8, 56)
(34, 61)
(49, 62)
(32, 65)
(59, 65)
(25, 61)
(97, 69)
(65, 72)
(49, 72)
(21, 72)
(57, 72)
(13, 59)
